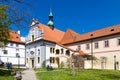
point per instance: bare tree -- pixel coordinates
(19, 12)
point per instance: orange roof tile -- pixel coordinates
(15, 37)
(49, 34)
(70, 36)
(98, 33)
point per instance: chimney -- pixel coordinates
(18, 32)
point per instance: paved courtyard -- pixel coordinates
(29, 75)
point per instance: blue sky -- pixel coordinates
(79, 15)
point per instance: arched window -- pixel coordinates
(68, 52)
(57, 51)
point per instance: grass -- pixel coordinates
(6, 75)
(82, 75)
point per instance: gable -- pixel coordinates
(70, 36)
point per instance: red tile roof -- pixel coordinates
(70, 36)
(96, 34)
(15, 37)
(49, 34)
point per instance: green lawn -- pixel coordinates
(5, 75)
(82, 75)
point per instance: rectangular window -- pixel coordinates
(51, 50)
(52, 59)
(57, 51)
(96, 45)
(79, 47)
(106, 43)
(32, 38)
(11, 44)
(118, 41)
(62, 51)
(38, 59)
(87, 46)
(17, 45)
(5, 51)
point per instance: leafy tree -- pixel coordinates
(89, 57)
(4, 25)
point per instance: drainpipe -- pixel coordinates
(92, 53)
(35, 58)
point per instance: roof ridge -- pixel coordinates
(99, 33)
(72, 35)
(101, 29)
(48, 27)
(49, 34)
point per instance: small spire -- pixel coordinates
(50, 22)
(50, 12)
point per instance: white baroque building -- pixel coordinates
(42, 47)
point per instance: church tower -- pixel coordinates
(50, 22)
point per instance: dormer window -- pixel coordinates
(112, 30)
(91, 35)
(17, 37)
